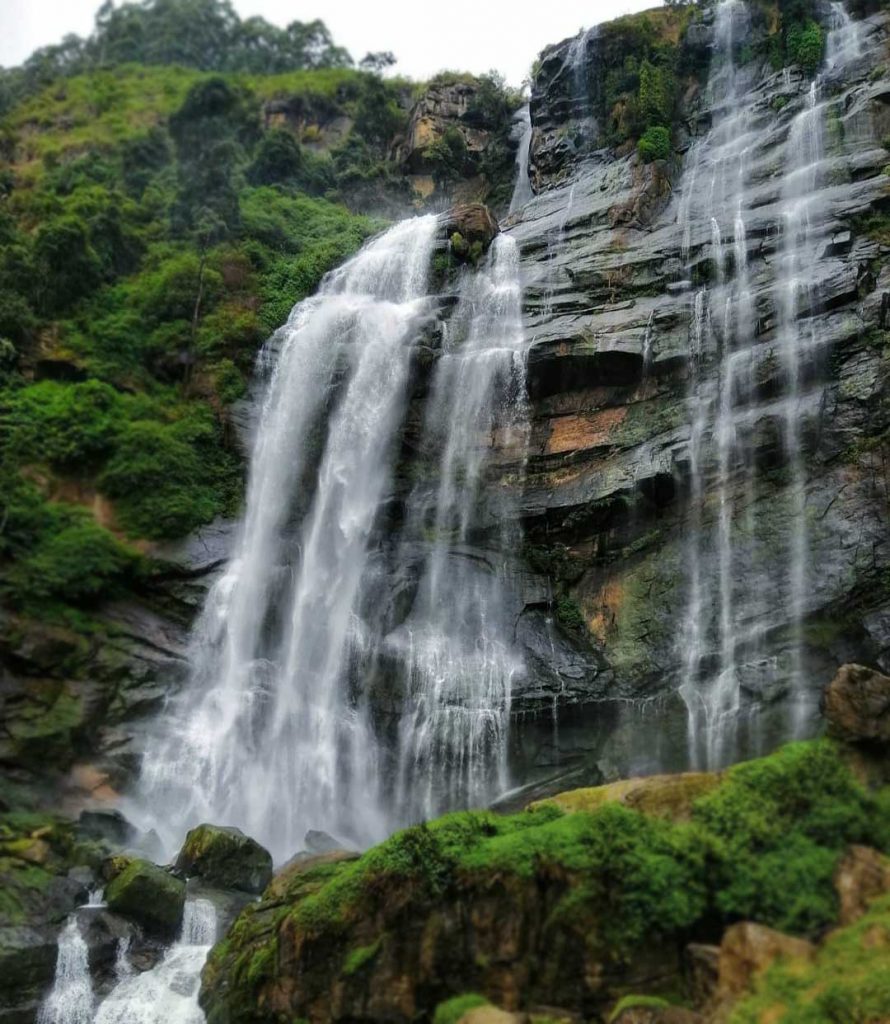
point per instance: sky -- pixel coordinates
(470, 35)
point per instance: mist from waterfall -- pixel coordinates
(731, 552)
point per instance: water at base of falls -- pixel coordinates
(168, 993)
(275, 731)
(70, 1001)
(738, 562)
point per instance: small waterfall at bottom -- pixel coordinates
(168, 993)
(165, 994)
(70, 1000)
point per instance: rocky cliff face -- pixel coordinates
(611, 275)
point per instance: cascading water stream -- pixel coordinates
(730, 563)
(275, 732)
(522, 191)
(268, 735)
(459, 661)
(70, 1001)
(168, 993)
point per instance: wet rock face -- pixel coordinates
(611, 282)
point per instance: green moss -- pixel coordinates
(780, 825)
(451, 1011)
(569, 614)
(357, 958)
(149, 895)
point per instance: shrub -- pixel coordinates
(169, 478)
(69, 426)
(655, 144)
(805, 44)
(80, 561)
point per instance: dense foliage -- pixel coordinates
(154, 233)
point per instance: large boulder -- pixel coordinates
(225, 857)
(856, 705)
(149, 895)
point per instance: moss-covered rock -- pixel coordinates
(149, 895)
(547, 907)
(225, 857)
(848, 979)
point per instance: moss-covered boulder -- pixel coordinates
(548, 907)
(149, 895)
(225, 857)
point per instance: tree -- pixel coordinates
(377, 62)
(278, 160)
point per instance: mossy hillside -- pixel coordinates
(762, 844)
(848, 980)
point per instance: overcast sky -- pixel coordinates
(472, 35)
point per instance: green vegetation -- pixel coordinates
(655, 144)
(451, 1011)
(849, 979)
(357, 958)
(153, 233)
(761, 844)
(568, 614)
(644, 65)
(791, 33)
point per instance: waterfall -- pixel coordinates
(734, 575)
(275, 731)
(168, 993)
(70, 1001)
(576, 64)
(459, 661)
(522, 191)
(268, 734)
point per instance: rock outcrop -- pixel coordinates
(856, 705)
